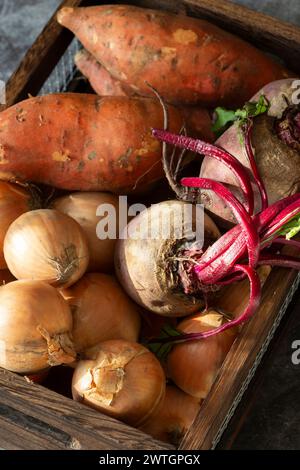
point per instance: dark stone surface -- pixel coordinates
(274, 419)
(288, 10)
(20, 23)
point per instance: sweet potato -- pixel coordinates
(199, 122)
(102, 82)
(278, 163)
(83, 142)
(188, 60)
(198, 119)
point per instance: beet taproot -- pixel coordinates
(147, 258)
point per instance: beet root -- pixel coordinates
(148, 268)
(277, 161)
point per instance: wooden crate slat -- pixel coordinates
(43, 419)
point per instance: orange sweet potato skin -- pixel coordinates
(198, 119)
(188, 60)
(83, 142)
(100, 79)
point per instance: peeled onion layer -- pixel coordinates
(101, 311)
(83, 207)
(125, 381)
(35, 327)
(174, 416)
(46, 245)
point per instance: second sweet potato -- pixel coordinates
(197, 118)
(102, 82)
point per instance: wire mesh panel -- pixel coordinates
(63, 73)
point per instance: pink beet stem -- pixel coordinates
(231, 279)
(208, 275)
(257, 177)
(283, 217)
(283, 261)
(220, 245)
(233, 242)
(267, 217)
(284, 241)
(254, 299)
(212, 151)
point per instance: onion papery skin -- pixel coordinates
(174, 416)
(82, 207)
(14, 201)
(35, 327)
(193, 365)
(125, 381)
(46, 245)
(101, 311)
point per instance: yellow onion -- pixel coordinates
(35, 327)
(14, 201)
(83, 208)
(101, 311)
(46, 245)
(125, 381)
(174, 416)
(193, 365)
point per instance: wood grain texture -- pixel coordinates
(33, 417)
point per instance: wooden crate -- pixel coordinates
(33, 417)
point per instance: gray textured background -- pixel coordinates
(20, 23)
(287, 10)
(274, 418)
